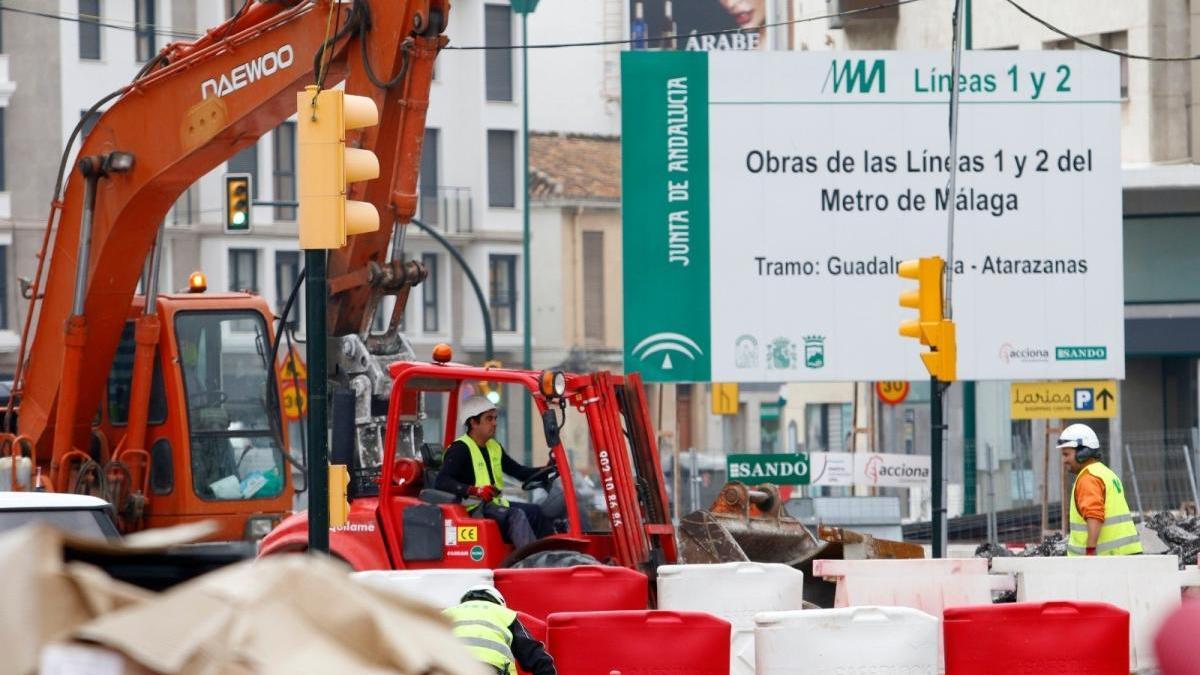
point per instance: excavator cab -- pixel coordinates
(215, 447)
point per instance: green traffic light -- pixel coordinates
(239, 218)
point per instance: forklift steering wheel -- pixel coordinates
(544, 477)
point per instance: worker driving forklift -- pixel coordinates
(473, 469)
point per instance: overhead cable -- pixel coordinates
(1098, 47)
(678, 36)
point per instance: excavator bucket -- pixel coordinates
(746, 524)
(750, 524)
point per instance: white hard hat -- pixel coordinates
(474, 407)
(484, 592)
(1078, 436)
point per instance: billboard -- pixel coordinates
(689, 25)
(769, 198)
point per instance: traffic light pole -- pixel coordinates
(937, 432)
(318, 384)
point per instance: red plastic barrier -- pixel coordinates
(536, 628)
(645, 641)
(588, 588)
(1037, 637)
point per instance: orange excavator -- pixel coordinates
(167, 403)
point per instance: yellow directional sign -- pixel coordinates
(293, 368)
(1064, 400)
(724, 398)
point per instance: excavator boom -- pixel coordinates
(205, 102)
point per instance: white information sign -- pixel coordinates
(869, 469)
(770, 197)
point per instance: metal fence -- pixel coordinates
(1159, 469)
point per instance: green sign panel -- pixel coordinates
(664, 169)
(789, 469)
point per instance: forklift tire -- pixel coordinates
(557, 558)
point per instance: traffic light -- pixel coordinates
(930, 327)
(237, 202)
(490, 389)
(327, 167)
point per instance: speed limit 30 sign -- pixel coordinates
(892, 392)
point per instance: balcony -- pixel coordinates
(446, 208)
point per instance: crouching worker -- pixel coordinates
(495, 635)
(474, 466)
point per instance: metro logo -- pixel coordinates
(852, 74)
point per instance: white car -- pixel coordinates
(78, 515)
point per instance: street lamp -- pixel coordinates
(525, 8)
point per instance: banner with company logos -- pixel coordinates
(769, 198)
(868, 469)
(698, 25)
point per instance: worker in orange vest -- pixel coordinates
(1101, 523)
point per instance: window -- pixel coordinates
(593, 286)
(502, 179)
(246, 161)
(502, 284)
(144, 31)
(187, 207)
(1120, 42)
(243, 269)
(827, 427)
(89, 29)
(287, 270)
(4, 287)
(428, 178)
(284, 175)
(429, 294)
(89, 122)
(120, 383)
(234, 452)
(498, 66)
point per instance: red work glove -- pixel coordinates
(487, 493)
(1090, 550)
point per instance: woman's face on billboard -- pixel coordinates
(747, 13)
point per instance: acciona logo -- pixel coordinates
(249, 72)
(1009, 353)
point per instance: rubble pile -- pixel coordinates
(1180, 533)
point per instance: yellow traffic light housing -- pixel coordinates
(930, 327)
(237, 202)
(490, 389)
(327, 167)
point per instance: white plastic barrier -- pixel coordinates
(735, 592)
(927, 585)
(1146, 586)
(440, 588)
(849, 640)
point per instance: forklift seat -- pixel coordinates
(431, 456)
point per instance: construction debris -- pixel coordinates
(1181, 533)
(1162, 533)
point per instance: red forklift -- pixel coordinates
(398, 521)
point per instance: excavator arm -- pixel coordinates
(195, 106)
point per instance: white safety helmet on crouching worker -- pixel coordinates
(474, 407)
(1083, 439)
(484, 592)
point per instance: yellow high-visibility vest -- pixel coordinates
(1118, 536)
(495, 453)
(483, 627)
